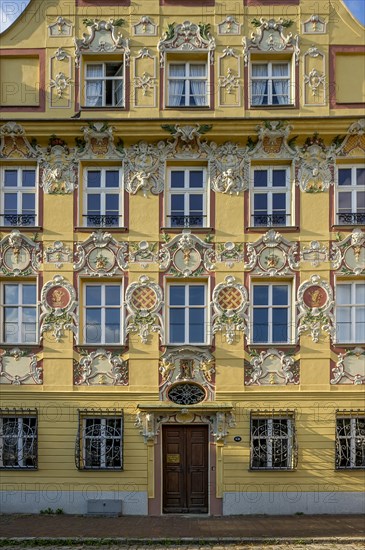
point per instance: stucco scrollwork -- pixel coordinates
(58, 168)
(272, 367)
(315, 304)
(142, 253)
(184, 255)
(228, 168)
(20, 367)
(228, 253)
(144, 169)
(229, 26)
(101, 255)
(270, 37)
(348, 255)
(272, 141)
(58, 305)
(315, 163)
(14, 143)
(349, 368)
(272, 255)
(144, 299)
(19, 255)
(145, 27)
(315, 253)
(58, 253)
(186, 36)
(353, 144)
(103, 37)
(98, 143)
(61, 27)
(60, 82)
(230, 303)
(101, 368)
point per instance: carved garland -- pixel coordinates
(58, 304)
(315, 303)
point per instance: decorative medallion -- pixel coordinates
(184, 255)
(144, 169)
(98, 143)
(144, 299)
(315, 163)
(272, 141)
(19, 367)
(145, 27)
(316, 253)
(314, 25)
(187, 365)
(101, 256)
(228, 253)
(272, 255)
(350, 368)
(348, 255)
(187, 142)
(14, 143)
(58, 253)
(229, 169)
(271, 368)
(103, 37)
(353, 145)
(58, 168)
(315, 303)
(270, 37)
(58, 304)
(61, 27)
(101, 368)
(230, 303)
(142, 253)
(188, 37)
(19, 255)
(229, 26)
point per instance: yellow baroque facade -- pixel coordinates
(182, 258)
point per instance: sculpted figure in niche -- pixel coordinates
(141, 181)
(228, 182)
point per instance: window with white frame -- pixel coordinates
(271, 313)
(103, 314)
(19, 313)
(273, 441)
(187, 84)
(350, 312)
(187, 313)
(350, 195)
(350, 440)
(187, 197)
(99, 444)
(103, 197)
(104, 84)
(18, 439)
(18, 200)
(270, 197)
(270, 83)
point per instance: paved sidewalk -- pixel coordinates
(194, 529)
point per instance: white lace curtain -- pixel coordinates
(259, 86)
(280, 88)
(196, 78)
(198, 87)
(94, 88)
(176, 86)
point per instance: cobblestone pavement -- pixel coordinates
(318, 546)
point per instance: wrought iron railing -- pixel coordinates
(195, 220)
(351, 218)
(107, 220)
(270, 220)
(18, 220)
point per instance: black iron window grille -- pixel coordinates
(18, 439)
(273, 443)
(187, 221)
(350, 440)
(99, 444)
(186, 393)
(351, 218)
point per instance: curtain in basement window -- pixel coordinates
(198, 87)
(259, 86)
(176, 87)
(280, 88)
(94, 88)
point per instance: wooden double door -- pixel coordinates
(185, 469)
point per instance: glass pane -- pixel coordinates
(360, 294)
(260, 178)
(28, 202)
(177, 325)
(112, 203)
(176, 69)
(11, 294)
(344, 202)
(360, 324)
(11, 178)
(177, 203)
(93, 295)
(198, 70)
(343, 294)
(279, 325)
(11, 314)
(260, 202)
(10, 203)
(360, 176)
(360, 200)
(112, 295)
(196, 203)
(114, 69)
(196, 326)
(344, 176)
(93, 325)
(260, 325)
(260, 295)
(112, 178)
(280, 295)
(279, 178)
(280, 69)
(197, 295)
(94, 71)
(29, 314)
(112, 325)
(93, 203)
(29, 294)
(343, 325)
(177, 179)
(177, 295)
(196, 179)
(93, 178)
(28, 178)
(259, 70)
(279, 201)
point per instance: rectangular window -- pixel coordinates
(103, 197)
(104, 84)
(270, 197)
(187, 84)
(19, 313)
(18, 200)
(273, 441)
(350, 312)
(187, 312)
(103, 314)
(187, 197)
(270, 83)
(271, 313)
(99, 443)
(350, 195)
(350, 441)
(18, 439)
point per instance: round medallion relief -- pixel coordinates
(16, 258)
(101, 259)
(187, 260)
(355, 257)
(271, 259)
(58, 297)
(143, 298)
(315, 296)
(229, 298)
